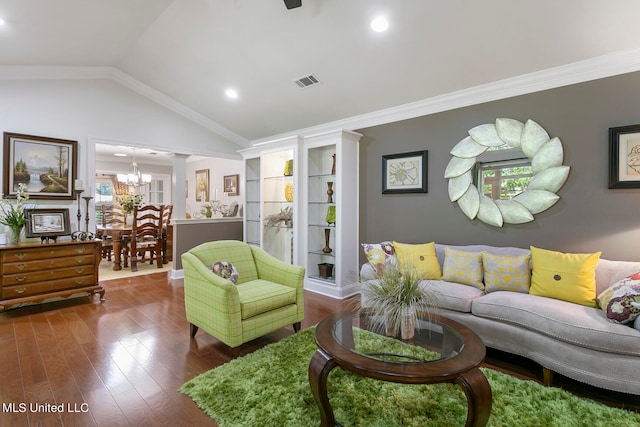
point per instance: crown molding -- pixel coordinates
(577, 72)
(20, 72)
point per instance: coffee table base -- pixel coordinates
(473, 382)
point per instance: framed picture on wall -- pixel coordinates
(47, 166)
(202, 185)
(231, 185)
(404, 173)
(624, 157)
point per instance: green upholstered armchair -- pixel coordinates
(268, 294)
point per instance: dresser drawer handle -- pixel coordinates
(80, 282)
(20, 255)
(21, 290)
(79, 270)
(21, 278)
(21, 266)
(80, 250)
(80, 260)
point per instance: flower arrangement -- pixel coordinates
(12, 214)
(396, 297)
(129, 201)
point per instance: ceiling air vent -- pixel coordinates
(307, 81)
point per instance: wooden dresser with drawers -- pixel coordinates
(35, 272)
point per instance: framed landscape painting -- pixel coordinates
(47, 166)
(47, 222)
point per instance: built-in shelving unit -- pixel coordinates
(266, 180)
(330, 164)
(317, 161)
(252, 232)
(321, 234)
(277, 238)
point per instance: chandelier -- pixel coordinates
(135, 177)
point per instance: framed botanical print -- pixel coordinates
(624, 157)
(404, 172)
(47, 166)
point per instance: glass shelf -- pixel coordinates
(330, 254)
(278, 177)
(321, 175)
(330, 280)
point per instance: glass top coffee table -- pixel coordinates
(441, 351)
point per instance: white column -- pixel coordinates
(178, 185)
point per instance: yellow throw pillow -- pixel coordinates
(463, 267)
(565, 276)
(421, 257)
(506, 273)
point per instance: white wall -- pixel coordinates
(89, 110)
(218, 168)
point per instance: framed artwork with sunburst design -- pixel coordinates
(404, 172)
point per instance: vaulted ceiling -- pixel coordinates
(191, 51)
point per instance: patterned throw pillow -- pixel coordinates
(421, 258)
(226, 270)
(564, 276)
(463, 267)
(506, 273)
(621, 301)
(379, 255)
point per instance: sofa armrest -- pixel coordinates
(367, 272)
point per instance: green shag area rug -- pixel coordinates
(270, 387)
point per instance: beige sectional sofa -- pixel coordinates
(573, 340)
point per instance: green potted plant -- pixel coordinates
(395, 298)
(129, 201)
(12, 214)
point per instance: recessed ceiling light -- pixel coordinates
(2, 22)
(379, 24)
(231, 93)
(119, 154)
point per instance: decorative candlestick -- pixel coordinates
(86, 218)
(78, 192)
(333, 167)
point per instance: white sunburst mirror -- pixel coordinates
(546, 156)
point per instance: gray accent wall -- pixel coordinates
(588, 217)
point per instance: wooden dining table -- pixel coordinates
(119, 234)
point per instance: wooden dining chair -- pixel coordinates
(109, 215)
(146, 235)
(166, 219)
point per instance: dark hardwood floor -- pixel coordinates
(121, 362)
